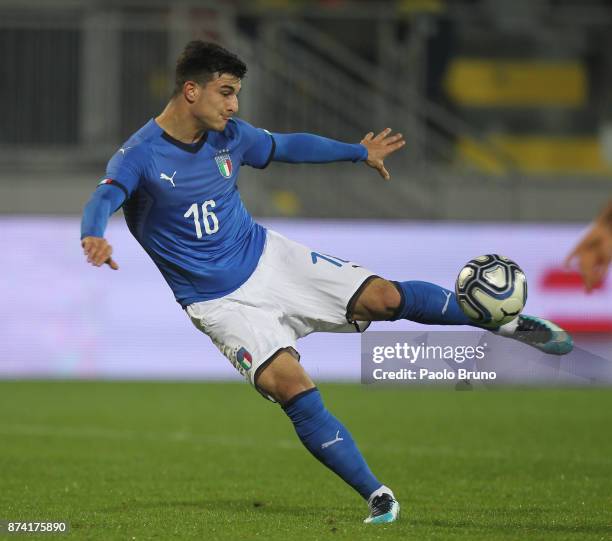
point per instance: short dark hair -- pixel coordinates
(200, 60)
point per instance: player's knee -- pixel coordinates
(283, 378)
(379, 301)
(390, 298)
(284, 389)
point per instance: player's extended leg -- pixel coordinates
(322, 434)
(382, 300)
(431, 304)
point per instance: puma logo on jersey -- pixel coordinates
(122, 150)
(163, 176)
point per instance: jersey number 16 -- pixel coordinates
(209, 218)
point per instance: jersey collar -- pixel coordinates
(187, 147)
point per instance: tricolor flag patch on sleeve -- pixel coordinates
(114, 183)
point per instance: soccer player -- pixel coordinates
(594, 252)
(251, 290)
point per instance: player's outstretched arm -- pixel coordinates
(593, 253)
(104, 201)
(381, 146)
(310, 148)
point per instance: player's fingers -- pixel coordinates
(96, 252)
(102, 255)
(106, 255)
(99, 260)
(87, 248)
(590, 280)
(92, 254)
(112, 264)
(384, 173)
(382, 134)
(92, 247)
(395, 146)
(597, 276)
(367, 137)
(587, 265)
(393, 138)
(598, 273)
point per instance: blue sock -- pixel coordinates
(428, 303)
(327, 439)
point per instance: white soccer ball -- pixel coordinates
(491, 290)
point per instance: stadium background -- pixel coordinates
(505, 107)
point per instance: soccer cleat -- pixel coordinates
(540, 334)
(383, 509)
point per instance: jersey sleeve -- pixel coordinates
(258, 145)
(310, 148)
(125, 169)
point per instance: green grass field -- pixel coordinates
(216, 461)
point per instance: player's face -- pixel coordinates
(217, 101)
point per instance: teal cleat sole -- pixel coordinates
(385, 518)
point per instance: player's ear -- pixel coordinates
(191, 91)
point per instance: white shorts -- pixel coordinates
(292, 293)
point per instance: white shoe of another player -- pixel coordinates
(383, 509)
(538, 333)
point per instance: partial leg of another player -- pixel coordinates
(322, 434)
(431, 304)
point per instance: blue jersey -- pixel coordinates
(184, 208)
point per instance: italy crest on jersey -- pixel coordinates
(224, 163)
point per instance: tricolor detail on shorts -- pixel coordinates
(244, 358)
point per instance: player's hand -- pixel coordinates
(380, 147)
(593, 254)
(98, 252)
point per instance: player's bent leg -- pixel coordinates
(322, 434)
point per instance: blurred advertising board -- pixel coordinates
(62, 318)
